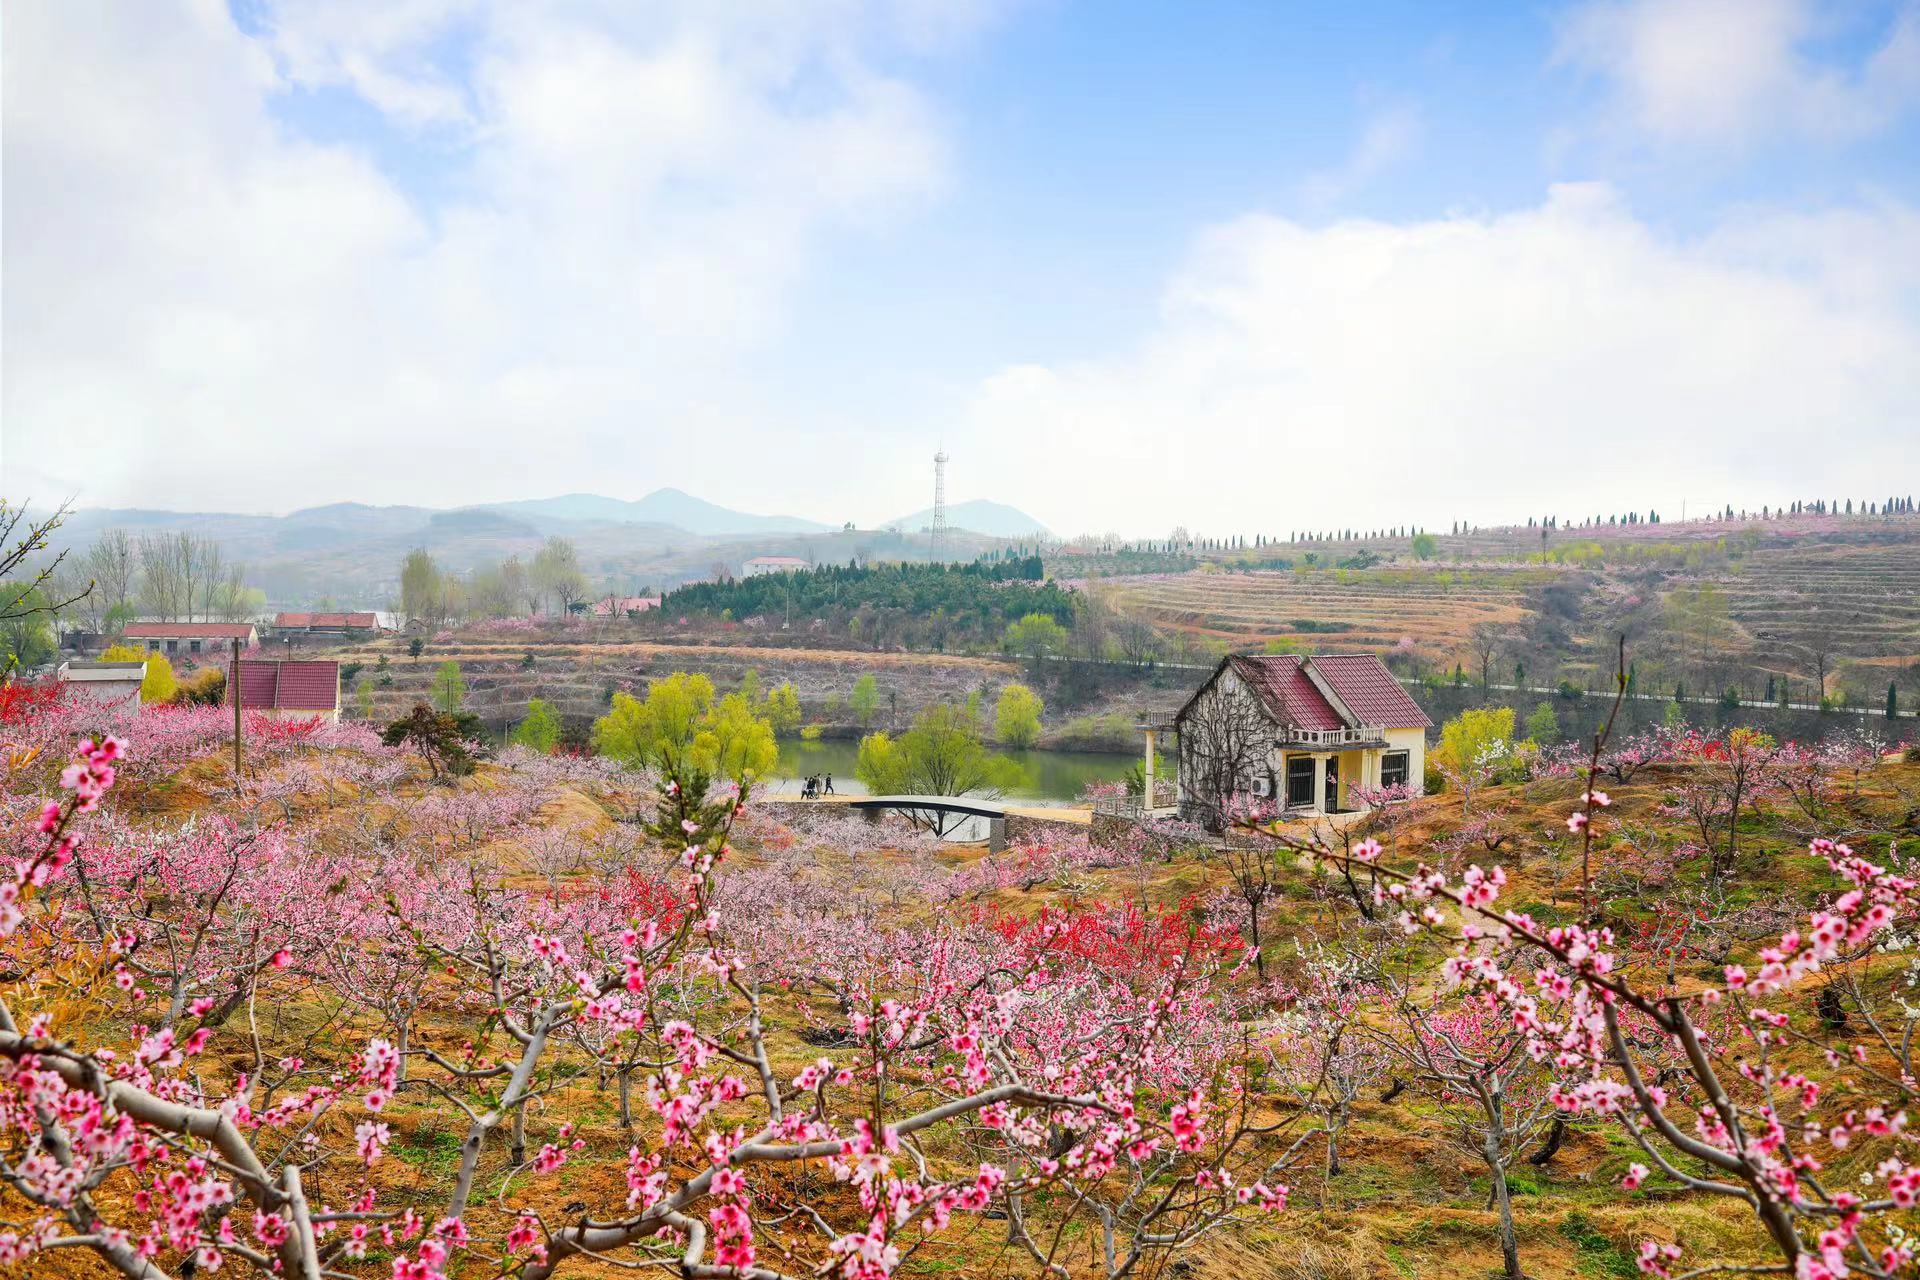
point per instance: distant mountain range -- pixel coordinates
(665, 510)
(995, 519)
(670, 507)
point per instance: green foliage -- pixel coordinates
(682, 729)
(750, 686)
(449, 687)
(1599, 1256)
(907, 603)
(733, 743)
(421, 588)
(159, 684)
(1674, 716)
(1112, 731)
(206, 688)
(941, 755)
(864, 701)
(1543, 725)
(363, 697)
(416, 647)
(1035, 637)
(1016, 716)
(1424, 546)
(1474, 735)
(441, 738)
(540, 730)
(659, 729)
(26, 639)
(782, 708)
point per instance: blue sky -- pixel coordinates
(1516, 257)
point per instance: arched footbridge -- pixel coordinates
(996, 812)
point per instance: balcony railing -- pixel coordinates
(1365, 734)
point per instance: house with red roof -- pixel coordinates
(326, 623)
(1300, 735)
(293, 690)
(190, 637)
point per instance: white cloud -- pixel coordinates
(230, 316)
(1563, 358)
(1731, 71)
(1390, 133)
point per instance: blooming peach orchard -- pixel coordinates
(685, 1041)
(155, 1115)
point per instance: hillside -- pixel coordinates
(1766, 609)
(1382, 1171)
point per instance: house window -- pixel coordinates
(1393, 769)
(193, 646)
(173, 646)
(1299, 781)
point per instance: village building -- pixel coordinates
(760, 565)
(1303, 736)
(624, 606)
(326, 624)
(292, 690)
(173, 638)
(105, 684)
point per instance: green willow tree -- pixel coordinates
(941, 755)
(540, 729)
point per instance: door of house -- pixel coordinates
(1333, 784)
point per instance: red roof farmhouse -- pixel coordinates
(364, 621)
(1312, 735)
(290, 689)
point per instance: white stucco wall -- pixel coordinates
(1414, 743)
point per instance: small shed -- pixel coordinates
(107, 684)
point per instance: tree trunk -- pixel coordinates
(1502, 1201)
(517, 1154)
(1555, 1136)
(626, 1098)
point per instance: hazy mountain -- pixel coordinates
(663, 506)
(995, 519)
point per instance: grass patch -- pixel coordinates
(1595, 1254)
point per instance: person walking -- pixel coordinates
(829, 784)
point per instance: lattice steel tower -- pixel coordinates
(939, 540)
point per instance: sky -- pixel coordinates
(1241, 267)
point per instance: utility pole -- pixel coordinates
(234, 684)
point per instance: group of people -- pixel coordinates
(813, 789)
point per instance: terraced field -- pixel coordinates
(1861, 604)
(1798, 597)
(1434, 607)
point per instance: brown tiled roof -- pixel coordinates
(1290, 697)
(188, 630)
(289, 686)
(365, 621)
(1369, 691)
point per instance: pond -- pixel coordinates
(1052, 777)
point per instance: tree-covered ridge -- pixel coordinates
(901, 602)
